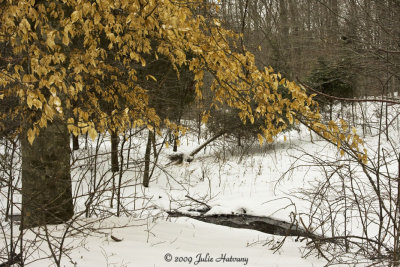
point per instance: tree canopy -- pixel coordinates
(55, 54)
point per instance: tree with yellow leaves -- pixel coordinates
(54, 54)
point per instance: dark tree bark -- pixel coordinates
(175, 144)
(153, 141)
(75, 142)
(46, 179)
(146, 173)
(114, 152)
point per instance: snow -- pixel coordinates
(186, 240)
(257, 180)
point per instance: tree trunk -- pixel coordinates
(146, 173)
(153, 141)
(114, 152)
(175, 144)
(46, 178)
(75, 142)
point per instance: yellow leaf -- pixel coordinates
(75, 16)
(57, 101)
(365, 158)
(205, 117)
(37, 103)
(49, 111)
(50, 39)
(92, 133)
(65, 39)
(26, 78)
(290, 117)
(344, 124)
(151, 77)
(29, 101)
(96, 18)
(260, 139)
(31, 136)
(53, 91)
(251, 119)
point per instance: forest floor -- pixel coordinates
(264, 180)
(246, 180)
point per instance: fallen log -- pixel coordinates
(259, 223)
(179, 157)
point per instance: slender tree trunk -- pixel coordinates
(114, 152)
(10, 191)
(114, 162)
(86, 140)
(199, 128)
(175, 143)
(396, 247)
(176, 137)
(46, 178)
(121, 172)
(153, 141)
(146, 173)
(75, 142)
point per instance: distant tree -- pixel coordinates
(170, 92)
(334, 79)
(225, 119)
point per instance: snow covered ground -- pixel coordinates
(259, 180)
(237, 185)
(181, 242)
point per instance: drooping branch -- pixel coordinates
(388, 101)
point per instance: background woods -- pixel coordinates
(128, 109)
(360, 38)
